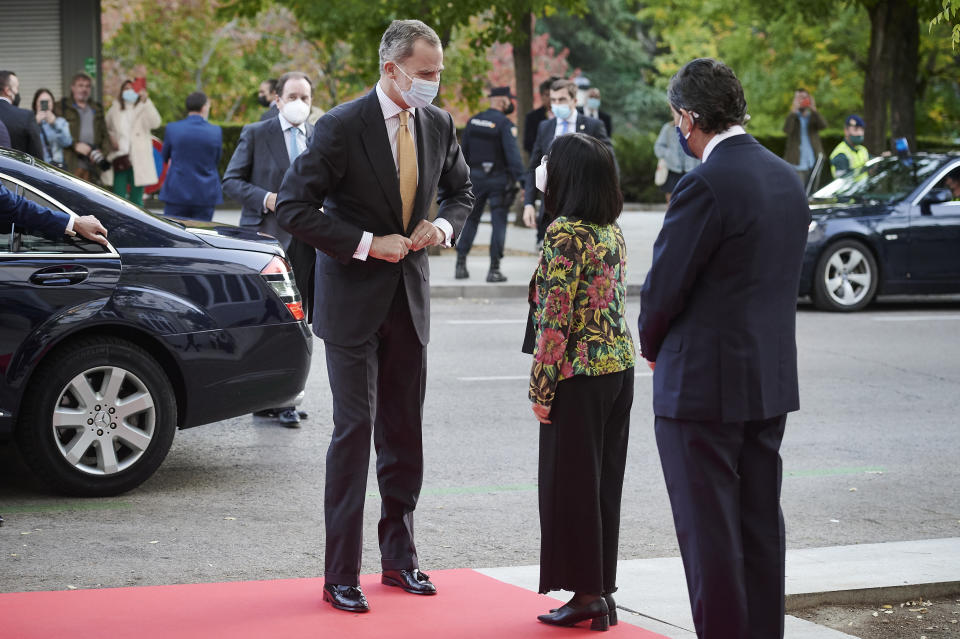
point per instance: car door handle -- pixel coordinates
(60, 275)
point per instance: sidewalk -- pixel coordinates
(653, 593)
(640, 228)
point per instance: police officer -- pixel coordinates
(850, 154)
(489, 146)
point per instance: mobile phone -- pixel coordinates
(44, 105)
(805, 103)
(139, 84)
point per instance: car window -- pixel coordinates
(25, 241)
(884, 179)
(5, 227)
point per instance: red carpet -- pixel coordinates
(468, 605)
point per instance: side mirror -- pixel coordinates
(937, 196)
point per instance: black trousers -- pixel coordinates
(582, 458)
(377, 387)
(724, 485)
(486, 187)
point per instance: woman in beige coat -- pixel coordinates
(129, 122)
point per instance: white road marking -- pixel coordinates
(918, 318)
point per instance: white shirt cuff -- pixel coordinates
(363, 249)
(264, 208)
(69, 230)
(447, 229)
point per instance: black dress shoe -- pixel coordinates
(611, 607)
(568, 615)
(412, 581)
(349, 598)
(289, 418)
(270, 412)
(303, 414)
(494, 275)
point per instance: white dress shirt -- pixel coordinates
(391, 118)
(736, 129)
(301, 145)
(571, 123)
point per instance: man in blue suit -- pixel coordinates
(193, 146)
(718, 319)
(18, 210)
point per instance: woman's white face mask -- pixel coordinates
(540, 175)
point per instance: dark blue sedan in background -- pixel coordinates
(106, 351)
(892, 227)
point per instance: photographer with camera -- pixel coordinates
(88, 128)
(803, 126)
(54, 130)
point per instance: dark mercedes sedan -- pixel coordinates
(892, 227)
(106, 351)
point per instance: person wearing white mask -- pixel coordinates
(591, 108)
(264, 153)
(129, 122)
(563, 102)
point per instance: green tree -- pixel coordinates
(950, 14)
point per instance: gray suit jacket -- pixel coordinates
(349, 171)
(257, 168)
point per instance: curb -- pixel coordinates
(872, 596)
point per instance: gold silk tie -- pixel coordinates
(407, 167)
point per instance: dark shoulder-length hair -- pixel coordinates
(123, 86)
(36, 98)
(582, 180)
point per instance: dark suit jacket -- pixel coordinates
(604, 117)
(23, 129)
(23, 212)
(718, 308)
(271, 112)
(4, 136)
(349, 171)
(257, 168)
(545, 135)
(531, 124)
(193, 146)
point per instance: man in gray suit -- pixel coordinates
(375, 166)
(263, 154)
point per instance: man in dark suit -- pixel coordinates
(193, 146)
(563, 102)
(718, 317)
(21, 123)
(374, 166)
(591, 108)
(267, 97)
(532, 120)
(4, 136)
(253, 177)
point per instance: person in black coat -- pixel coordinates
(21, 123)
(718, 325)
(4, 136)
(375, 167)
(532, 120)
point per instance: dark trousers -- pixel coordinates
(582, 458)
(486, 188)
(377, 387)
(189, 211)
(724, 485)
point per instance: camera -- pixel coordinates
(44, 105)
(97, 158)
(805, 103)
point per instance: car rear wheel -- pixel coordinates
(98, 419)
(846, 277)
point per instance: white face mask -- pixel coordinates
(296, 112)
(540, 176)
(421, 92)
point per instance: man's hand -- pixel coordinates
(89, 227)
(390, 248)
(82, 148)
(272, 201)
(542, 413)
(529, 215)
(426, 234)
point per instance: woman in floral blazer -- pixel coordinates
(581, 383)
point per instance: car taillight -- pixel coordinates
(280, 278)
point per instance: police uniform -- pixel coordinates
(847, 157)
(489, 146)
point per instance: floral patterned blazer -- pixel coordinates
(578, 296)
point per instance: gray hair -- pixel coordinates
(399, 38)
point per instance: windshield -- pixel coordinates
(884, 179)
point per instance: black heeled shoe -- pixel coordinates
(567, 615)
(611, 607)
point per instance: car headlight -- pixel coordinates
(813, 226)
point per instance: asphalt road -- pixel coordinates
(871, 457)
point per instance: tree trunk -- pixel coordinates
(876, 83)
(523, 69)
(904, 74)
